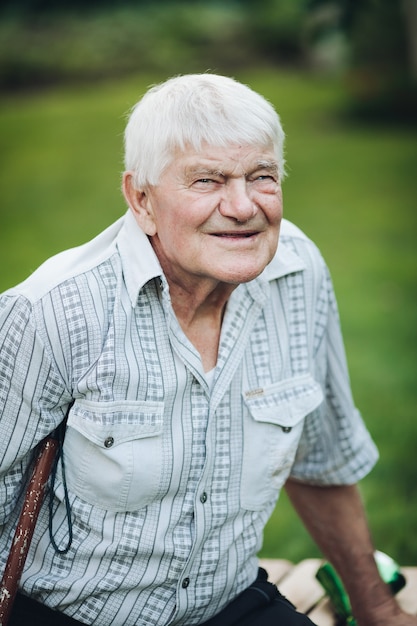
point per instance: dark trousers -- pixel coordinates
(261, 604)
(28, 612)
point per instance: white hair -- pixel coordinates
(188, 111)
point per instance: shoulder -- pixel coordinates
(68, 265)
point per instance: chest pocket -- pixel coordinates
(113, 453)
(273, 424)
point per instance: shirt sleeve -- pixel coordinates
(31, 395)
(336, 447)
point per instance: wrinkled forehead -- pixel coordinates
(230, 159)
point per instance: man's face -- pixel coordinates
(215, 214)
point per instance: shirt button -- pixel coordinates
(108, 442)
(286, 429)
(203, 497)
(185, 583)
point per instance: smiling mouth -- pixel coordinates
(236, 235)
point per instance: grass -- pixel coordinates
(351, 187)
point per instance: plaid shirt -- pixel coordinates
(171, 480)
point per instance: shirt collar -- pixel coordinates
(140, 263)
(285, 261)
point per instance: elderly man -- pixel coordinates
(204, 369)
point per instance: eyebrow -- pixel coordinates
(203, 172)
(206, 172)
(267, 163)
(270, 165)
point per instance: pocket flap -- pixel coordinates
(118, 422)
(285, 403)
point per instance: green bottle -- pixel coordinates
(389, 571)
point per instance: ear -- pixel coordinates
(139, 203)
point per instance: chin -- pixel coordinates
(241, 276)
(242, 269)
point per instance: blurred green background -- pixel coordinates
(341, 74)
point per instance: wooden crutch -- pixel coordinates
(34, 495)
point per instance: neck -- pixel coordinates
(200, 314)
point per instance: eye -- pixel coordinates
(264, 179)
(206, 183)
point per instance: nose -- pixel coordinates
(236, 202)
